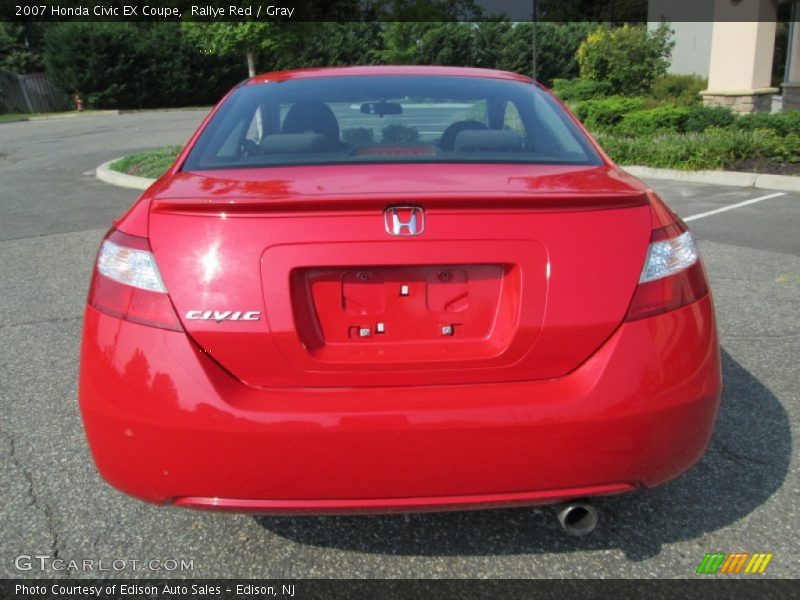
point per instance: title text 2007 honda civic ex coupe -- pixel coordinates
(396, 289)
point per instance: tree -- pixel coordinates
(20, 45)
(491, 40)
(322, 44)
(430, 43)
(428, 11)
(241, 39)
(401, 43)
(134, 65)
(598, 11)
(630, 57)
(450, 44)
(99, 61)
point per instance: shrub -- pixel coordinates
(783, 148)
(358, 135)
(672, 117)
(662, 118)
(630, 57)
(679, 89)
(701, 118)
(713, 149)
(785, 123)
(606, 113)
(399, 134)
(580, 89)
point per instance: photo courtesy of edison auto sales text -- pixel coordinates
(153, 591)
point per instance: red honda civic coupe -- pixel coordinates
(382, 289)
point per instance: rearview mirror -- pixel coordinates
(381, 108)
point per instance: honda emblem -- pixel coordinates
(404, 220)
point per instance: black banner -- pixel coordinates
(333, 589)
(615, 11)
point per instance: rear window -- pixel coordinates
(396, 119)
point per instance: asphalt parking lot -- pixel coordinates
(743, 496)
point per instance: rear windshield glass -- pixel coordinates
(396, 119)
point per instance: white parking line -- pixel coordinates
(732, 206)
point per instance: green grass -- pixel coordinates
(150, 164)
(13, 117)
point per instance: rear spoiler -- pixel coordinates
(548, 202)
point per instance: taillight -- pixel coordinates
(672, 275)
(126, 283)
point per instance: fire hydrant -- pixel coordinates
(78, 102)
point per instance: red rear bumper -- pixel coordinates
(166, 424)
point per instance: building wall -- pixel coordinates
(692, 51)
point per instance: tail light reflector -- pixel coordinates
(126, 283)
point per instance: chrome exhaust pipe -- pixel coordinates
(577, 517)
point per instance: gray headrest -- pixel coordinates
(491, 140)
(314, 116)
(291, 143)
(448, 139)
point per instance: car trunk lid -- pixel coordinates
(520, 273)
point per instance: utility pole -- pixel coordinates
(535, 35)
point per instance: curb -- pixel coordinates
(106, 174)
(764, 181)
(73, 115)
(105, 113)
(133, 111)
(65, 115)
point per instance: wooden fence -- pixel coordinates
(30, 93)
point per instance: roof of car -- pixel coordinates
(387, 70)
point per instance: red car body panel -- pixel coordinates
(165, 422)
(542, 391)
(397, 70)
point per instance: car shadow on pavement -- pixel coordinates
(747, 461)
